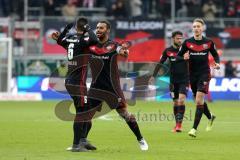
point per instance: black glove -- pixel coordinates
(69, 26)
(86, 27)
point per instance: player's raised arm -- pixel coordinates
(61, 39)
(92, 36)
(215, 55)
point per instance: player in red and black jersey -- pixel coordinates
(179, 78)
(76, 39)
(199, 69)
(105, 84)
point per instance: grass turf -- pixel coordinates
(31, 131)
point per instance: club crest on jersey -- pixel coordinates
(191, 46)
(171, 54)
(205, 46)
(110, 47)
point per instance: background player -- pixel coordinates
(106, 78)
(76, 41)
(199, 48)
(179, 78)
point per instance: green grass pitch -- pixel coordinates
(31, 131)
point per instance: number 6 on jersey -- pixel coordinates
(70, 51)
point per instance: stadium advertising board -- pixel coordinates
(220, 88)
(147, 37)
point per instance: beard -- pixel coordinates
(177, 45)
(102, 35)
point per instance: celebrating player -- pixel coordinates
(179, 78)
(76, 41)
(199, 48)
(106, 78)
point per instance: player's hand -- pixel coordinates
(151, 81)
(55, 35)
(186, 56)
(124, 52)
(69, 26)
(216, 66)
(86, 27)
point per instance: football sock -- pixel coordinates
(206, 111)
(132, 123)
(181, 111)
(77, 131)
(175, 111)
(198, 115)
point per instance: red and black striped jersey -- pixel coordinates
(178, 68)
(199, 51)
(104, 67)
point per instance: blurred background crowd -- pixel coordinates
(209, 9)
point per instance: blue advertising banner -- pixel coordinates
(220, 88)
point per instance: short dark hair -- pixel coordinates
(107, 23)
(176, 33)
(81, 22)
(200, 20)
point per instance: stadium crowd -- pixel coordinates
(209, 9)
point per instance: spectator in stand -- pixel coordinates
(104, 3)
(163, 7)
(49, 8)
(230, 70)
(69, 9)
(230, 8)
(119, 9)
(6, 7)
(146, 7)
(193, 8)
(209, 10)
(238, 8)
(136, 8)
(89, 3)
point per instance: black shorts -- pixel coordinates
(114, 99)
(200, 83)
(178, 88)
(78, 91)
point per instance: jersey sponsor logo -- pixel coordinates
(72, 40)
(198, 53)
(100, 57)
